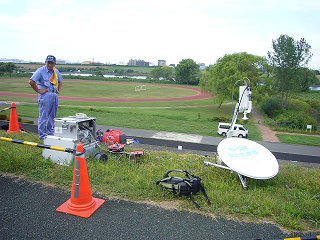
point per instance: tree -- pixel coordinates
(286, 59)
(164, 72)
(2, 69)
(220, 78)
(10, 67)
(306, 78)
(187, 71)
(156, 72)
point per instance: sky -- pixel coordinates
(115, 31)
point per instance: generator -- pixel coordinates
(68, 132)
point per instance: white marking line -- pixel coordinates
(178, 137)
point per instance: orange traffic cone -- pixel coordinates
(81, 203)
(14, 123)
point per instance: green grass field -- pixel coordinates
(99, 89)
(193, 117)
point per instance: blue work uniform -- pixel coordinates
(47, 102)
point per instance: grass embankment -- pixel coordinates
(290, 199)
(299, 139)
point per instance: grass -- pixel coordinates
(99, 89)
(173, 119)
(299, 139)
(290, 199)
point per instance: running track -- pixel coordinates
(197, 96)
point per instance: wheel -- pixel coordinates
(240, 136)
(224, 134)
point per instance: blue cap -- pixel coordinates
(51, 58)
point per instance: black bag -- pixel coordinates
(187, 186)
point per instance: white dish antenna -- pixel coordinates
(247, 158)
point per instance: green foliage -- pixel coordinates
(67, 69)
(187, 71)
(162, 72)
(299, 106)
(220, 119)
(3, 116)
(2, 69)
(220, 78)
(8, 67)
(306, 77)
(298, 120)
(312, 97)
(299, 139)
(21, 159)
(287, 60)
(271, 106)
(297, 114)
(314, 103)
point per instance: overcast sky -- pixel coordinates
(119, 30)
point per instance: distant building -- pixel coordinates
(59, 61)
(87, 63)
(139, 63)
(5, 60)
(202, 66)
(161, 63)
(172, 65)
(132, 62)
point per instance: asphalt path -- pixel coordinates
(306, 156)
(28, 211)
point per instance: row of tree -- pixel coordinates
(284, 71)
(8, 67)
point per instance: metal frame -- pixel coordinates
(243, 179)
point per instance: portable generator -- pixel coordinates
(114, 136)
(68, 132)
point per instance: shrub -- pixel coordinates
(298, 105)
(271, 106)
(295, 119)
(220, 119)
(3, 116)
(314, 103)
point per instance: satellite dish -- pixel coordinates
(248, 158)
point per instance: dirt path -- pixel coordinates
(267, 134)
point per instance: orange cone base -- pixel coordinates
(81, 210)
(16, 131)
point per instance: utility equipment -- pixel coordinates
(68, 132)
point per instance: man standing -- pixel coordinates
(47, 82)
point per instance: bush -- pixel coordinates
(220, 119)
(298, 105)
(295, 119)
(271, 106)
(3, 116)
(314, 103)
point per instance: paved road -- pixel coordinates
(28, 211)
(306, 156)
